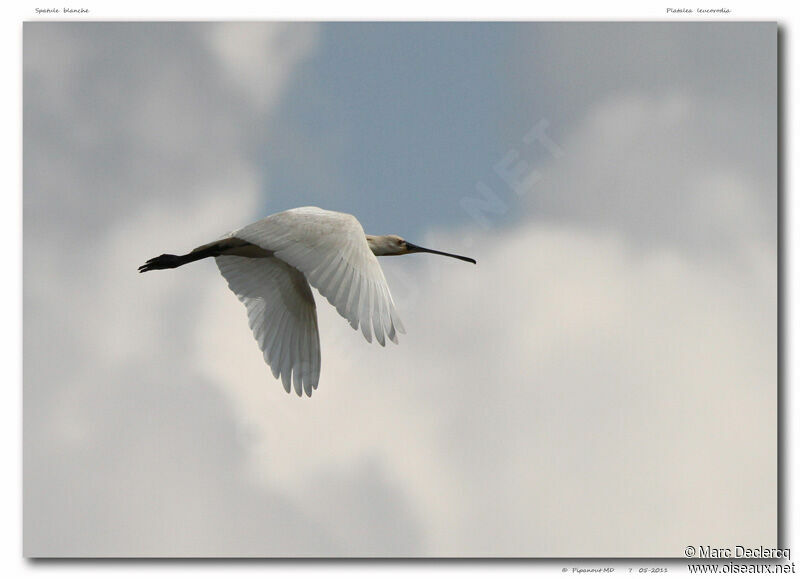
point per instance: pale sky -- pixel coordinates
(602, 383)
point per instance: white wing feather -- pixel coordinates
(331, 249)
(282, 315)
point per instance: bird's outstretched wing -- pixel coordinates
(282, 315)
(331, 249)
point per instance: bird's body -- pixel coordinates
(271, 265)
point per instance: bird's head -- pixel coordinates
(387, 244)
(396, 245)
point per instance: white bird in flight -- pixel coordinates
(269, 265)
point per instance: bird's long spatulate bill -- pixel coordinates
(417, 249)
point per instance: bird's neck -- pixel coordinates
(379, 244)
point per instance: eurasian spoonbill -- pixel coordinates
(269, 266)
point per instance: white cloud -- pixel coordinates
(258, 58)
(662, 169)
(569, 378)
(125, 452)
